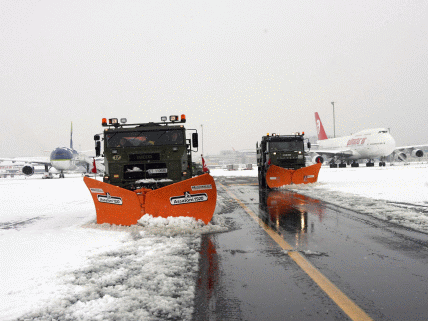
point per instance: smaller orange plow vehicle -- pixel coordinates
(148, 170)
(281, 161)
(277, 176)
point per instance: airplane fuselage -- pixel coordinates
(366, 144)
(63, 158)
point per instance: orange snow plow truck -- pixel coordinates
(148, 170)
(281, 161)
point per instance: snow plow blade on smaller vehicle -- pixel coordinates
(281, 160)
(277, 176)
(195, 197)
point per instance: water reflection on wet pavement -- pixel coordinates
(245, 275)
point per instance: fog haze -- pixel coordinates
(239, 68)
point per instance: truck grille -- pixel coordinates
(145, 171)
(144, 157)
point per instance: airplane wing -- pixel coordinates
(344, 153)
(410, 148)
(415, 151)
(26, 160)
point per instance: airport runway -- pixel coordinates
(289, 257)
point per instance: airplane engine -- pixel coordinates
(402, 156)
(317, 159)
(417, 153)
(28, 170)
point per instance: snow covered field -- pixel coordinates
(57, 264)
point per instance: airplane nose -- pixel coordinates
(391, 144)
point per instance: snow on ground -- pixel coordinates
(398, 194)
(226, 173)
(57, 264)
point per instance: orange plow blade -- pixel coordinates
(195, 197)
(114, 205)
(277, 176)
(307, 174)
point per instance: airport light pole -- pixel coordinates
(334, 121)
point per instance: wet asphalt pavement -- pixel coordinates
(246, 275)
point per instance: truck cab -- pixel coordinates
(286, 151)
(149, 155)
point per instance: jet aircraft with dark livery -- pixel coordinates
(62, 159)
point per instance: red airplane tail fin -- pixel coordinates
(320, 128)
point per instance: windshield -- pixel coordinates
(286, 146)
(142, 138)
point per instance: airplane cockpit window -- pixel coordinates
(61, 154)
(383, 132)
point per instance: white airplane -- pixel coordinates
(366, 144)
(61, 159)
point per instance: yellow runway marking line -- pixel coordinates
(345, 303)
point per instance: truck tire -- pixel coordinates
(262, 180)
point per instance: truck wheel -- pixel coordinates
(262, 180)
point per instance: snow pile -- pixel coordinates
(148, 278)
(181, 225)
(170, 226)
(398, 194)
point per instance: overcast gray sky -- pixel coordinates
(240, 68)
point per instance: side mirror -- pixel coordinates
(195, 142)
(309, 145)
(98, 148)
